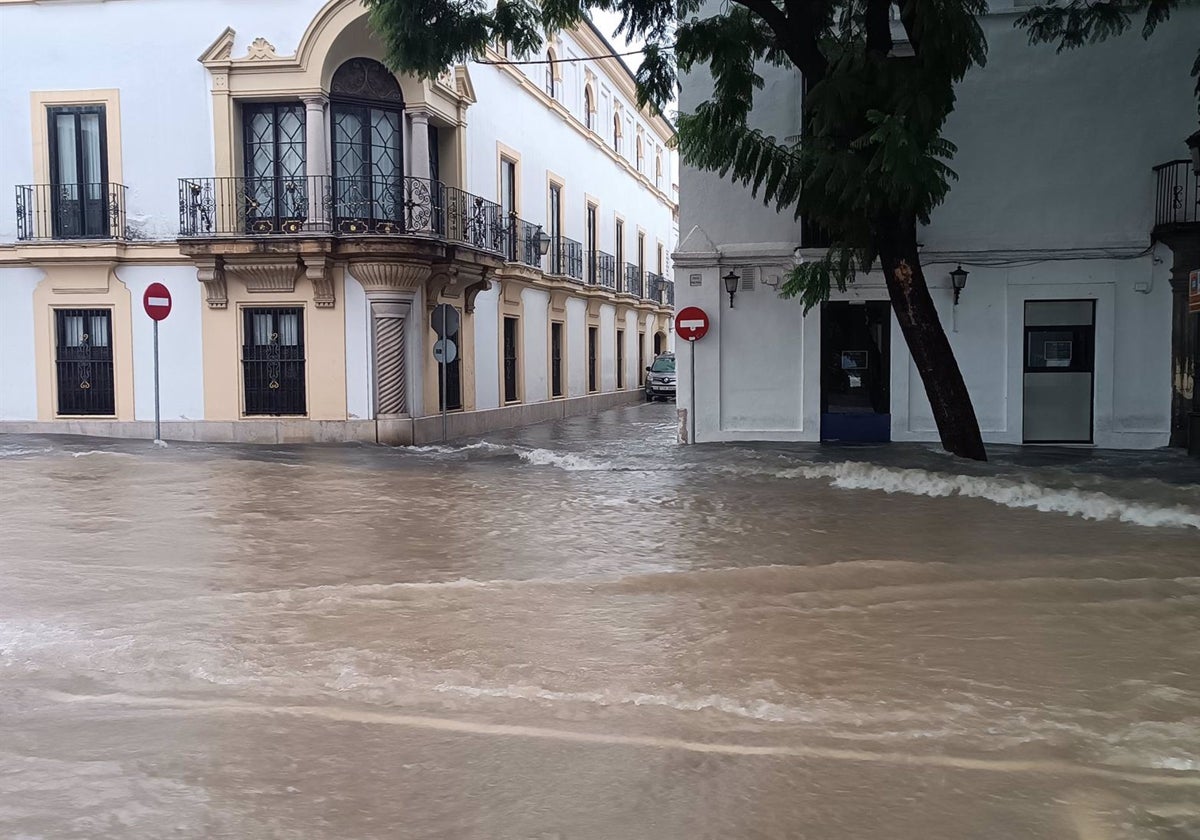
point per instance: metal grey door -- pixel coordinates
(1059, 375)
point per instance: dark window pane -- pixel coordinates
(84, 362)
(510, 360)
(273, 360)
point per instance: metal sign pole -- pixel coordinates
(442, 365)
(157, 415)
(692, 406)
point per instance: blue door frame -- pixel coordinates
(856, 372)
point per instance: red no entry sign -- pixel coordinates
(691, 323)
(157, 301)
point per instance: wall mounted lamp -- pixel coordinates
(731, 285)
(959, 278)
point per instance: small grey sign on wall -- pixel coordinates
(694, 279)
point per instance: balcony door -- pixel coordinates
(367, 113)
(276, 194)
(78, 172)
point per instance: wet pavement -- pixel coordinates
(581, 630)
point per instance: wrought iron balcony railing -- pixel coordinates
(633, 280)
(71, 211)
(520, 239)
(318, 204)
(566, 258)
(1177, 198)
(659, 289)
(601, 269)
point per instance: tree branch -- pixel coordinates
(879, 27)
(794, 37)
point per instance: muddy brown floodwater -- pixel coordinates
(580, 630)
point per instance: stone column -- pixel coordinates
(420, 143)
(393, 291)
(389, 321)
(316, 159)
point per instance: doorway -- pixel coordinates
(856, 372)
(1060, 365)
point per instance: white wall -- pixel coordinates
(629, 323)
(148, 50)
(18, 375)
(360, 395)
(535, 331)
(608, 347)
(487, 344)
(1041, 211)
(180, 347)
(576, 347)
(545, 143)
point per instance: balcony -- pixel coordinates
(601, 270)
(1177, 197)
(521, 243)
(322, 205)
(633, 281)
(566, 258)
(56, 212)
(659, 289)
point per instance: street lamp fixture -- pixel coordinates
(959, 278)
(731, 285)
(543, 241)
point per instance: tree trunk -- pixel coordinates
(927, 341)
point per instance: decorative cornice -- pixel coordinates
(390, 275)
(261, 50)
(211, 273)
(317, 270)
(473, 291)
(260, 276)
(558, 300)
(220, 50)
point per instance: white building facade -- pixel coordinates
(1064, 329)
(314, 217)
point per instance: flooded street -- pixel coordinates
(579, 630)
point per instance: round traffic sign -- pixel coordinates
(445, 351)
(444, 320)
(157, 301)
(691, 323)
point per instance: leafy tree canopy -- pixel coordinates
(871, 145)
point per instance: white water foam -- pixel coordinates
(853, 475)
(1087, 504)
(18, 451)
(482, 445)
(567, 461)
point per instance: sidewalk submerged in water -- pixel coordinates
(647, 432)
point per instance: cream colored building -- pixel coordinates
(309, 212)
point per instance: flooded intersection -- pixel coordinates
(579, 630)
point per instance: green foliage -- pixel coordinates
(812, 282)
(869, 150)
(1081, 22)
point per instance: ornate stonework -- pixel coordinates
(319, 273)
(212, 274)
(473, 291)
(391, 275)
(260, 276)
(261, 50)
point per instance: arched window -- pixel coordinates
(658, 169)
(589, 108)
(550, 80)
(641, 156)
(617, 132)
(367, 121)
